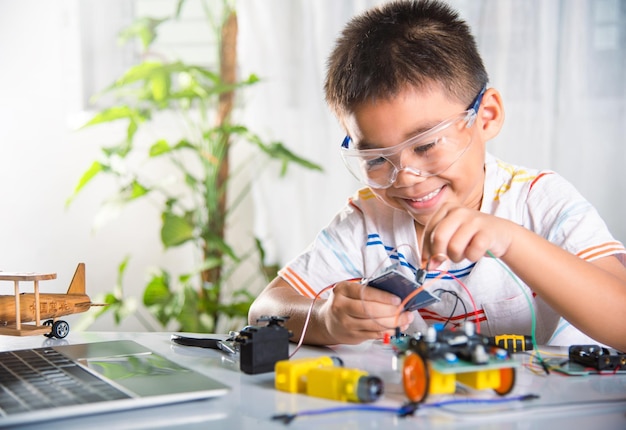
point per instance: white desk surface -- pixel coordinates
(596, 402)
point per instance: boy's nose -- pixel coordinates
(408, 176)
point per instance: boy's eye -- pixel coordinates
(422, 149)
(375, 162)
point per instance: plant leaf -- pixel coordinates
(93, 170)
(210, 263)
(185, 144)
(278, 151)
(143, 28)
(176, 230)
(160, 86)
(113, 114)
(214, 242)
(160, 147)
(121, 150)
(157, 297)
(192, 317)
(133, 191)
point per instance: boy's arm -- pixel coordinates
(590, 295)
(280, 299)
(345, 317)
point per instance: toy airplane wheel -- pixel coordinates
(415, 377)
(60, 329)
(507, 381)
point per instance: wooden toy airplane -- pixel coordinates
(17, 309)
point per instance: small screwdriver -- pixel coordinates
(512, 342)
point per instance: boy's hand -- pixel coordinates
(354, 313)
(459, 232)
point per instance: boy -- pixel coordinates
(409, 87)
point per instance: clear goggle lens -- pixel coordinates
(426, 154)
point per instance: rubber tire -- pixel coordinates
(507, 381)
(415, 377)
(60, 329)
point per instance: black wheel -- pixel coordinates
(60, 329)
(48, 323)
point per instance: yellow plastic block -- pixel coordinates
(480, 380)
(291, 375)
(334, 383)
(441, 383)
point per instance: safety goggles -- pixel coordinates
(429, 153)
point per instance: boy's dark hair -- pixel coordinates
(414, 43)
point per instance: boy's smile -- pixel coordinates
(384, 124)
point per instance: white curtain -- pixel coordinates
(560, 66)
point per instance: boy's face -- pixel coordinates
(386, 123)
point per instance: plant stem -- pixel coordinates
(228, 73)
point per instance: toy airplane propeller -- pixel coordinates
(20, 308)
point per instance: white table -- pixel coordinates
(596, 402)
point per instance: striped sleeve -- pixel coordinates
(603, 250)
(296, 282)
(562, 215)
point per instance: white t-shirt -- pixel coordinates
(368, 236)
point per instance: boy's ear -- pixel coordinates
(491, 114)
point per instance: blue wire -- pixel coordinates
(468, 400)
(371, 408)
(403, 410)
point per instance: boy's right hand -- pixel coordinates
(354, 313)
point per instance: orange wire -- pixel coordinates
(410, 296)
(439, 276)
(425, 264)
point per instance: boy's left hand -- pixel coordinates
(461, 233)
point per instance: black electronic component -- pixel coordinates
(512, 342)
(597, 357)
(464, 344)
(260, 347)
(227, 345)
(395, 282)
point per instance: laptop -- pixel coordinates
(46, 383)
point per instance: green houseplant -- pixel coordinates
(194, 209)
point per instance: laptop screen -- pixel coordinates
(42, 384)
(138, 370)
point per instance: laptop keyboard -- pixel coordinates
(42, 378)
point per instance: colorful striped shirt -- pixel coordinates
(368, 236)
